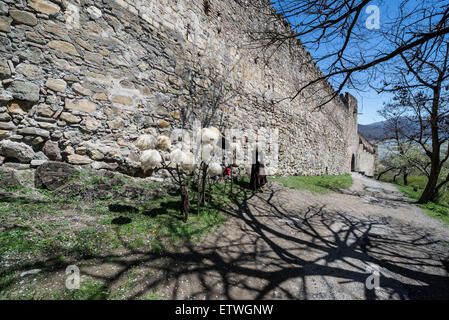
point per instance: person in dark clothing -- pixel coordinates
(258, 175)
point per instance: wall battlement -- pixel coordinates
(82, 79)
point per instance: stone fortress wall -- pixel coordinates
(82, 79)
(366, 157)
(363, 154)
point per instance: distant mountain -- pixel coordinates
(374, 131)
(378, 131)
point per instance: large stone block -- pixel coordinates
(52, 175)
(24, 90)
(5, 24)
(16, 150)
(69, 118)
(64, 46)
(30, 71)
(124, 100)
(44, 110)
(162, 124)
(9, 178)
(83, 105)
(5, 72)
(44, 6)
(100, 96)
(5, 116)
(7, 126)
(58, 85)
(3, 8)
(115, 124)
(4, 134)
(17, 107)
(24, 17)
(94, 12)
(78, 159)
(91, 124)
(34, 132)
(94, 58)
(52, 151)
(81, 90)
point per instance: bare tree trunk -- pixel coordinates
(396, 175)
(198, 193)
(203, 185)
(405, 177)
(185, 202)
(232, 183)
(383, 172)
(430, 191)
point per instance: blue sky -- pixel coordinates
(369, 100)
(369, 103)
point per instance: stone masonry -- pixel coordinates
(80, 80)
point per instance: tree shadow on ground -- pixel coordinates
(242, 184)
(267, 250)
(121, 221)
(168, 208)
(118, 207)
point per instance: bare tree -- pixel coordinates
(402, 156)
(337, 33)
(421, 88)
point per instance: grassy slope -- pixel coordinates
(50, 235)
(66, 231)
(436, 210)
(316, 184)
(416, 185)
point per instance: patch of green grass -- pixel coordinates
(7, 280)
(416, 182)
(20, 240)
(316, 184)
(152, 296)
(436, 210)
(66, 228)
(87, 242)
(89, 290)
(99, 208)
(410, 191)
(127, 286)
(160, 226)
(62, 230)
(25, 233)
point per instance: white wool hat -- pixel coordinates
(214, 169)
(207, 151)
(189, 161)
(217, 132)
(146, 142)
(163, 143)
(177, 156)
(209, 135)
(150, 159)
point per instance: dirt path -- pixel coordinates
(290, 244)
